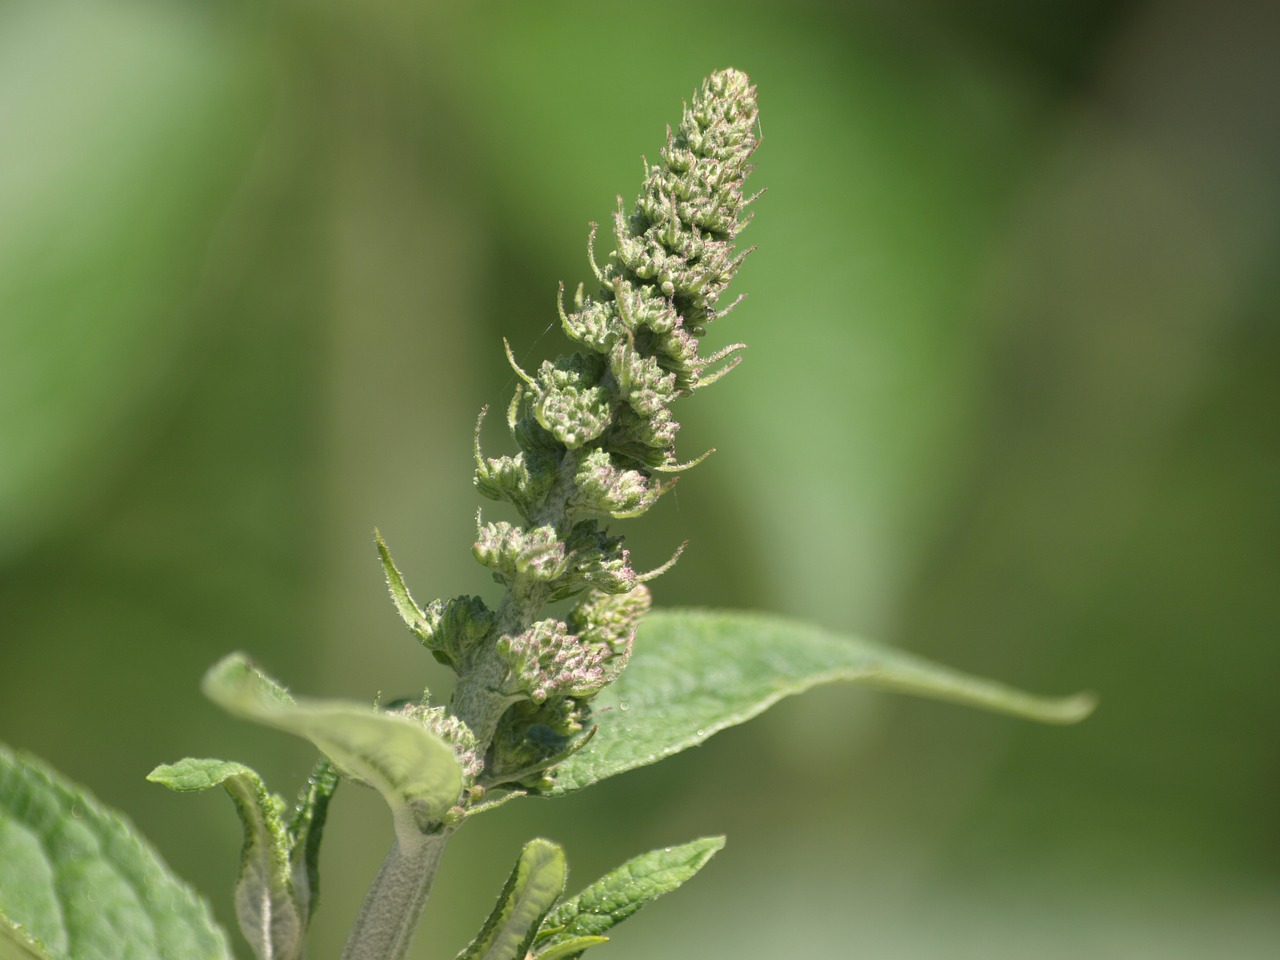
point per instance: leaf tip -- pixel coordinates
(1073, 709)
(226, 671)
(236, 684)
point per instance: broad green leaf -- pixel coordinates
(83, 884)
(275, 892)
(533, 887)
(414, 770)
(619, 894)
(696, 672)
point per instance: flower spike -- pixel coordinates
(594, 433)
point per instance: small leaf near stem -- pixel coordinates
(581, 921)
(535, 884)
(272, 910)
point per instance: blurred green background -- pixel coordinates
(1011, 401)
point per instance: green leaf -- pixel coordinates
(82, 884)
(307, 827)
(696, 672)
(16, 945)
(275, 893)
(405, 605)
(570, 948)
(414, 770)
(619, 894)
(533, 887)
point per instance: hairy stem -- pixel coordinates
(392, 907)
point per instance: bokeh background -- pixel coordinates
(1011, 401)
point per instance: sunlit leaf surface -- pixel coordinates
(695, 672)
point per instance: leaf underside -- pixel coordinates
(696, 672)
(82, 884)
(415, 771)
(273, 897)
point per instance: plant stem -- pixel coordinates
(393, 906)
(395, 901)
(476, 697)
(603, 407)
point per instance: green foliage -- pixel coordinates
(696, 672)
(16, 945)
(541, 704)
(581, 921)
(413, 768)
(535, 884)
(569, 949)
(278, 886)
(77, 883)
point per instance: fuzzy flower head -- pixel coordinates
(595, 441)
(639, 331)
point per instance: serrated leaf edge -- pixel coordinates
(685, 860)
(200, 911)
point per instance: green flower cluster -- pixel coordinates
(595, 437)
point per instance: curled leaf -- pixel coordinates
(277, 889)
(415, 771)
(533, 887)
